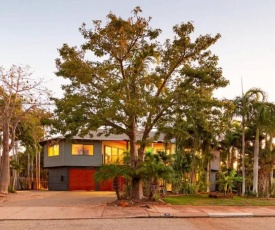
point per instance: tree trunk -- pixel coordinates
(243, 156)
(1, 143)
(208, 176)
(153, 188)
(137, 192)
(37, 170)
(256, 162)
(5, 172)
(32, 184)
(29, 172)
(263, 183)
(116, 187)
(38, 178)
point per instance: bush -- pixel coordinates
(189, 188)
(11, 189)
(272, 192)
(250, 193)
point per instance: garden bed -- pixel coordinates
(220, 195)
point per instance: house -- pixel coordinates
(71, 164)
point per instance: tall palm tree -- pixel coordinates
(267, 153)
(243, 108)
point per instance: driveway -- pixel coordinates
(38, 198)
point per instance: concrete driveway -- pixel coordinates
(38, 198)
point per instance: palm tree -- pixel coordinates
(243, 108)
(155, 167)
(267, 153)
(113, 172)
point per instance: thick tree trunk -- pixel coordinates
(264, 183)
(116, 187)
(153, 188)
(5, 172)
(137, 191)
(256, 162)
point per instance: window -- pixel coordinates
(53, 150)
(80, 149)
(113, 155)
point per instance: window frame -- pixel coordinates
(113, 154)
(82, 150)
(55, 150)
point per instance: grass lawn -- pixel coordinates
(204, 200)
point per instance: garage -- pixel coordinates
(81, 179)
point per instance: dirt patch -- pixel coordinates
(220, 195)
(131, 203)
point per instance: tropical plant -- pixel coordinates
(227, 181)
(112, 172)
(155, 167)
(245, 107)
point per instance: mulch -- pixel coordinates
(131, 203)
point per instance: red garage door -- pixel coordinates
(81, 179)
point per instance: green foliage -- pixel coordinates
(11, 189)
(132, 77)
(272, 192)
(227, 181)
(134, 82)
(188, 188)
(204, 200)
(155, 167)
(112, 172)
(14, 165)
(250, 193)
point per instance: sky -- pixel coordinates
(32, 31)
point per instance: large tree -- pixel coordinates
(123, 78)
(19, 95)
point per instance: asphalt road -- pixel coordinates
(144, 224)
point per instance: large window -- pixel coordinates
(53, 150)
(113, 155)
(81, 149)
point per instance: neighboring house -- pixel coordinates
(71, 164)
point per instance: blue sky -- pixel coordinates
(31, 31)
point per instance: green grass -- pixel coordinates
(204, 200)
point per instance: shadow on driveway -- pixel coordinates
(39, 198)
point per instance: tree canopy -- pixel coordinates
(125, 79)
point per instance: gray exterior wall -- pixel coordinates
(58, 179)
(213, 184)
(215, 163)
(65, 157)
